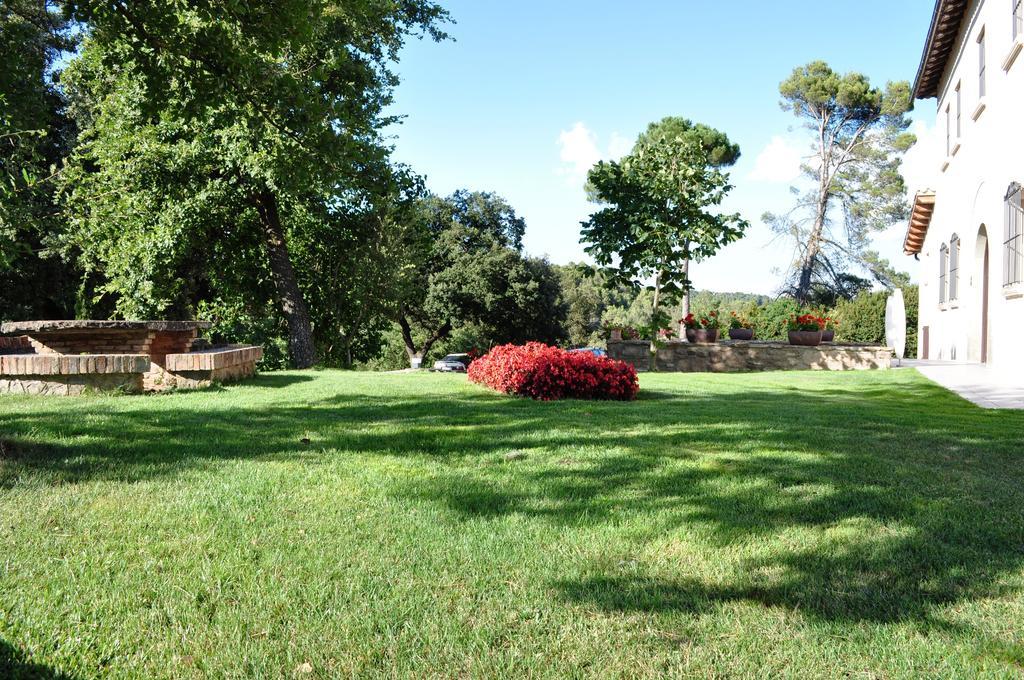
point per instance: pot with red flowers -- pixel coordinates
(828, 334)
(701, 330)
(805, 330)
(740, 328)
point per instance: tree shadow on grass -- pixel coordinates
(14, 665)
(915, 495)
(881, 551)
(273, 379)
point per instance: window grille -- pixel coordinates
(943, 264)
(958, 110)
(954, 267)
(981, 64)
(1013, 237)
(949, 147)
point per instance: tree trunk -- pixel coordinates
(654, 316)
(686, 297)
(810, 256)
(442, 332)
(293, 306)
(654, 304)
(416, 355)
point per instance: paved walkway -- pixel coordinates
(975, 382)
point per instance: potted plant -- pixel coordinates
(703, 330)
(740, 328)
(828, 334)
(620, 333)
(806, 330)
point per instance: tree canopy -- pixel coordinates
(212, 134)
(659, 209)
(464, 267)
(34, 136)
(721, 152)
(858, 135)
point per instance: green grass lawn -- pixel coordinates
(865, 525)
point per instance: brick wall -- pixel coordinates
(93, 342)
(15, 345)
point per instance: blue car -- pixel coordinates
(596, 351)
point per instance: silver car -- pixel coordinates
(453, 363)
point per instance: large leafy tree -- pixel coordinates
(213, 132)
(351, 278)
(463, 267)
(858, 135)
(720, 152)
(659, 212)
(34, 135)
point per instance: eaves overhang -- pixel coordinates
(920, 219)
(942, 34)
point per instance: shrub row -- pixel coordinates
(543, 372)
(860, 320)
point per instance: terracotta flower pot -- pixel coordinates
(805, 338)
(828, 335)
(616, 334)
(702, 336)
(741, 333)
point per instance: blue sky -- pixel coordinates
(531, 93)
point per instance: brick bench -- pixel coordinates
(72, 356)
(205, 367)
(213, 358)
(71, 374)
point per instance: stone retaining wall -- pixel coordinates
(197, 379)
(734, 356)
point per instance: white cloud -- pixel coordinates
(580, 151)
(779, 161)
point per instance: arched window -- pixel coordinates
(954, 267)
(1013, 237)
(943, 266)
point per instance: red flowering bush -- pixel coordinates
(542, 372)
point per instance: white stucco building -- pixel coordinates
(967, 227)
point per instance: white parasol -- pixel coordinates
(896, 324)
